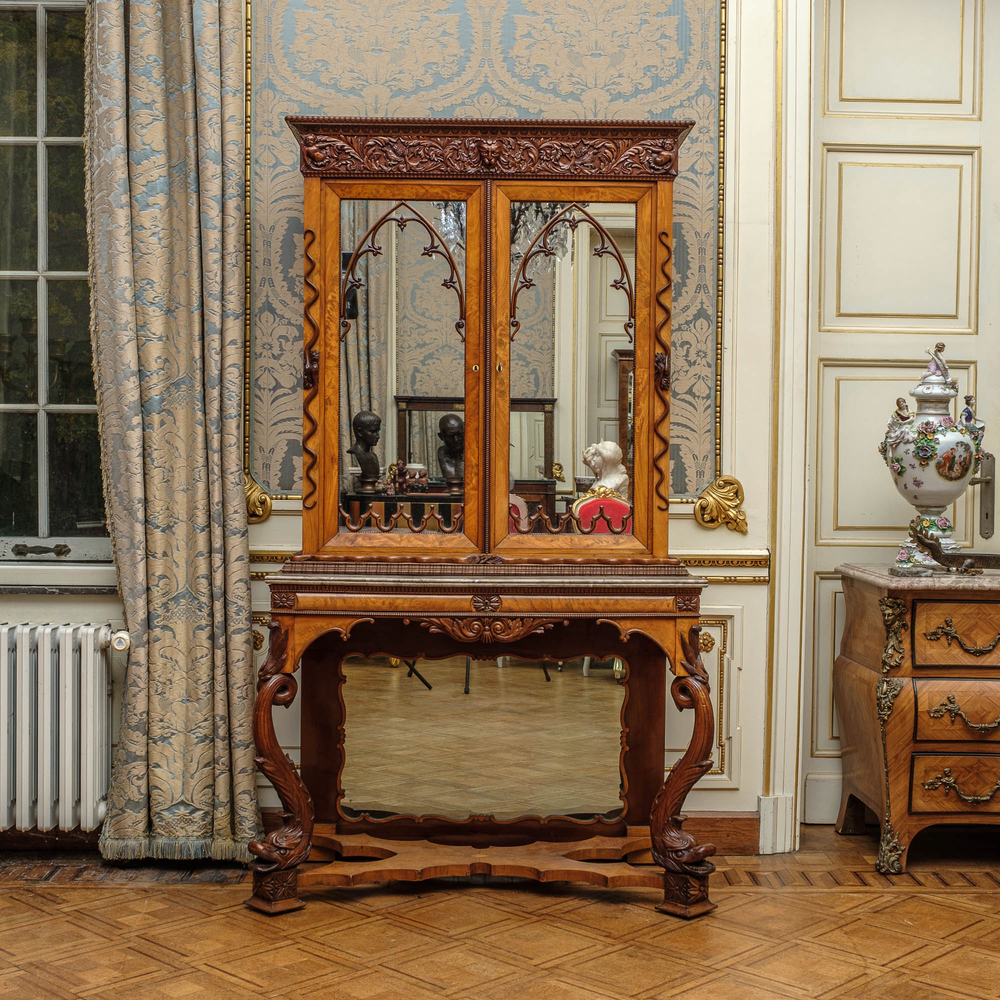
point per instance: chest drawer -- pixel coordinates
(955, 783)
(956, 710)
(956, 634)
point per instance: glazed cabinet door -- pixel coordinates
(393, 315)
(571, 290)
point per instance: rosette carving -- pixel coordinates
(486, 602)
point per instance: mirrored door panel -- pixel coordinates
(571, 316)
(404, 322)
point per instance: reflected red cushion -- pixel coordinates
(616, 512)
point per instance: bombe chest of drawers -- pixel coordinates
(917, 688)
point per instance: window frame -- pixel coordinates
(81, 548)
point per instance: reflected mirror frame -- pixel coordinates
(321, 458)
(640, 541)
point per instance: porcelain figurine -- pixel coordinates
(932, 456)
(604, 459)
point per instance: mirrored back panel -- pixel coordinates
(572, 322)
(506, 738)
(403, 326)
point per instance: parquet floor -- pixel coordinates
(816, 924)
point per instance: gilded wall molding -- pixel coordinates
(706, 560)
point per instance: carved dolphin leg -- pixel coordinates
(274, 871)
(686, 871)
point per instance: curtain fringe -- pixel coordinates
(175, 849)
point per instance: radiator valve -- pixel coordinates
(121, 641)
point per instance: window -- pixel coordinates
(50, 476)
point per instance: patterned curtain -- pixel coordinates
(166, 200)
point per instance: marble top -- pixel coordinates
(878, 575)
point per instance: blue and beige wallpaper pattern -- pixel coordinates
(576, 59)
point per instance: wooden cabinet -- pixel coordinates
(438, 260)
(917, 688)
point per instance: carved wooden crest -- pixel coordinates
(351, 147)
(489, 629)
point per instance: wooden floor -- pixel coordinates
(819, 923)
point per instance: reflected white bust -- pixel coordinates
(604, 459)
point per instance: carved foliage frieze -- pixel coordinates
(543, 150)
(487, 629)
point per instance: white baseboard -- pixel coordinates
(779, 831)
(822, 797)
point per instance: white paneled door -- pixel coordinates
(905, 180)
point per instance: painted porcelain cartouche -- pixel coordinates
(932, 456)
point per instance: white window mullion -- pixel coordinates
(40, 71)
(41, 165)
(43, 476)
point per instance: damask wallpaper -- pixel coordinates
(575, 59)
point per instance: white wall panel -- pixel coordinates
(903, 58)
(899, 232)
(723, 663)
(829, 612)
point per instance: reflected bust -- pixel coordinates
(367, 427)
(451, 454)
(604, 459)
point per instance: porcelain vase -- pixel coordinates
(932, 457)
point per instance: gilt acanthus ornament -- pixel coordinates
(721, 502)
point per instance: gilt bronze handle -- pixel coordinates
(950, 706)
(949, 632)
(948, 783)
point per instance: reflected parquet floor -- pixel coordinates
(815, 924)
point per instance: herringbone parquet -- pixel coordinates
(816, 924)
